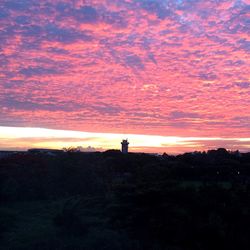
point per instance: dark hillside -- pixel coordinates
(110, 200)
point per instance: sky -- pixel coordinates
(173, 73)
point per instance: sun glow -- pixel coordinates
(22, 138)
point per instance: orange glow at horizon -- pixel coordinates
(20, 138)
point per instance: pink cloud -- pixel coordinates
(143, 67)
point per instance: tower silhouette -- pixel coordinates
(125, 146)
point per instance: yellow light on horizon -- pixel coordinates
(27, 137)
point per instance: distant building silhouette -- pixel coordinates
(4, 154)
(45, 151)
(125, 146)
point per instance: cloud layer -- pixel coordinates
(174, 68)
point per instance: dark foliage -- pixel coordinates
(109, 200)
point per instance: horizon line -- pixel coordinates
(24, 138)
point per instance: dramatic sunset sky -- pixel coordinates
(169, 75)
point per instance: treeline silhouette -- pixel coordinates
(110, 200)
